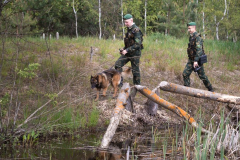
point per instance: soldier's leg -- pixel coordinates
(121, 62)
(186, 73)
(118, 66)
(135, 70)
(204, 78)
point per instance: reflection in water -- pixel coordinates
(151, 143)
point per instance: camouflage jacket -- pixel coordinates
(196, 45)
(133, 39)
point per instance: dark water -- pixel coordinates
(149, 144)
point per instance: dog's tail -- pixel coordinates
(127, 73)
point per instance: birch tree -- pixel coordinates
(203, 21)
(217, 23)
(75, 13)
(123, 32)
(145, 15)
(100, 28)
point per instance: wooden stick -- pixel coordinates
(171, 87)
(172, 107)
(114, 121)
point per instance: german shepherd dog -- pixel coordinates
(104, 79)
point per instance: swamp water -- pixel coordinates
(149, 143)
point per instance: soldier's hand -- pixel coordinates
(195, 64)
(124, 52)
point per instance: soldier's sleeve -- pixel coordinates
(199, 51)
(137, 40)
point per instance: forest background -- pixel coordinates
(45, 81)
(216, 19)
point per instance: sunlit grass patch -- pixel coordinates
(93, 117)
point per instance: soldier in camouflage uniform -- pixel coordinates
(195, 50)
(132, 50)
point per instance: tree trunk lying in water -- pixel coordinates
(114, 121)
(179, 111)
(171, 87)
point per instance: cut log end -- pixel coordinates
(164, 84)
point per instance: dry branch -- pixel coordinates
(29, 118)
(114, 121)
(171, 87)
(179, 111)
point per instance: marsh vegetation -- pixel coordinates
(45, 92)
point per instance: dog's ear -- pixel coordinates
(99, 80)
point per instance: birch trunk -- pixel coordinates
(172, 107)
(169, 13)
(171, 87)
(100, 28)
(203, 21)
(114, 121)
(122, 18)
(75, 13)
(145, 17)
(217, 23)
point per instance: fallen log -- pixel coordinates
(171, 87)
(172, 107)
(114, 121)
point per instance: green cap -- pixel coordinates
(127, 16)
(191, 24)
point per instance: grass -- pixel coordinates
(65, 65)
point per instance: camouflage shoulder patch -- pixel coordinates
(198, 46)
(137, 40)
(135, 30)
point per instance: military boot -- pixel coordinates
(210, 89)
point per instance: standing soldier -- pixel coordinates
(195, 50)
(132, 50)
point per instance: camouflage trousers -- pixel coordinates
(187, 72)
(134, 64)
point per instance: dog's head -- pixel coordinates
(94, 81)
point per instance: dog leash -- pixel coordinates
(112, 66)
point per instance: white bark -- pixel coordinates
(100, 29)
(166, 30)
(122, 18)
(75, 13)
(175, 88)
(145, 17)
(172, 107)
(57, 35)
(203, 21)
(217, 23)
(114, 121)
